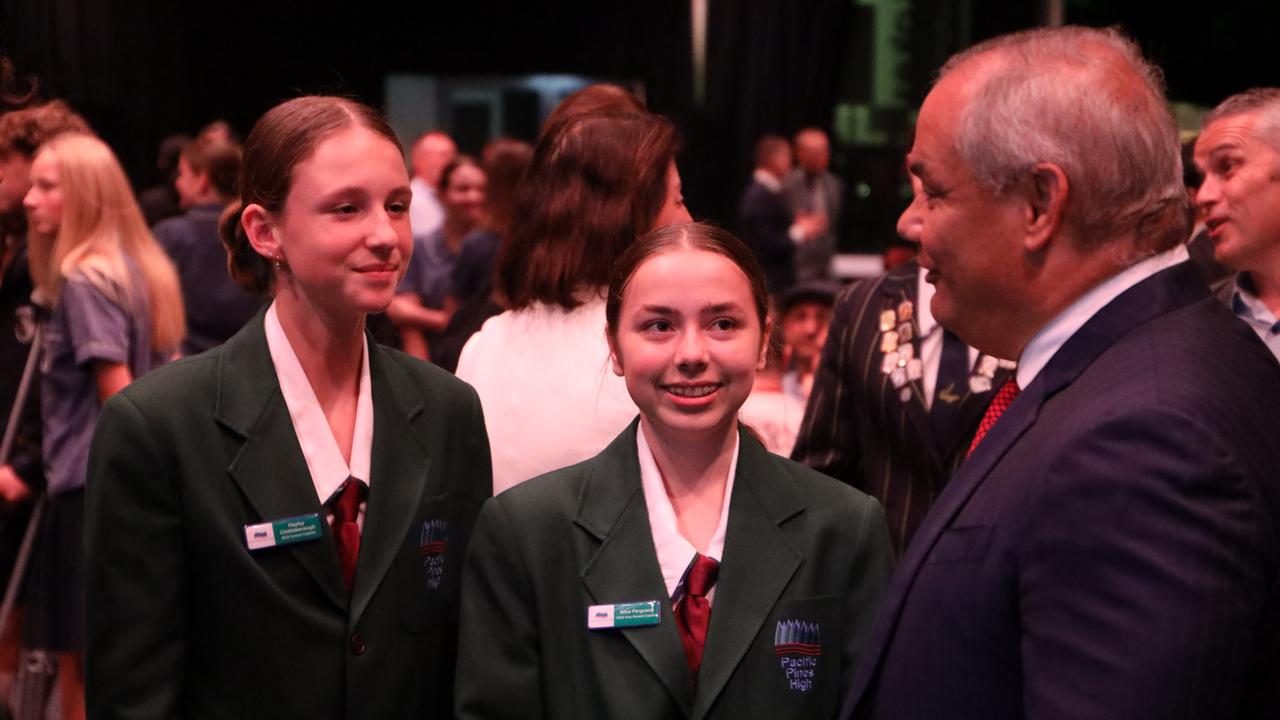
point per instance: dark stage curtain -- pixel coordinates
(773, 66)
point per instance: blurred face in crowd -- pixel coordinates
(688, 341)
(43, 201)
(1240, 195)
(804, 328)
(464, 196)
(15, 180)
(343, 234)
(970, 239)
(779, 163)
(191, 186)
(673, 210)
(813, 151)
(430, 155)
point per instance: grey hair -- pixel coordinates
(1264, 102)
(1083, 99)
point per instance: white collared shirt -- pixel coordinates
(931, 338)
(1051, 337)
(675, 553)
(320, 449)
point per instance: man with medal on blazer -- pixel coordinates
(896, 398)
(1111, 546)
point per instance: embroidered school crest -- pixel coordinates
(433, 544)
(798, 646)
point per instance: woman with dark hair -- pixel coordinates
(596, 182)
(275, 527)
(684, 571)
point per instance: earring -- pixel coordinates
(275, 260)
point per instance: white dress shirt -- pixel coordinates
(548, 391)
(675, 553)
(426, 214)
(931, 338)
(1046, 343)
(319, 447)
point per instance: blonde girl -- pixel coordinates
(114, 313)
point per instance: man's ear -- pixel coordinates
(1046, 190)
(203, 183)
(259, 227)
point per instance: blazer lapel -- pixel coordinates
(399, 468)
(625, 566)
(899, 287)
(1161, 293)
(758, 564)
(269, 468)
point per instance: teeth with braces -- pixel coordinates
(691, 392)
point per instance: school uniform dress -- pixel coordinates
(87, 326)
(803, 559)
(185, 620)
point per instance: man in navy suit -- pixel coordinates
(766, 224)
(1111, 546)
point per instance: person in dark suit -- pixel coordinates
(1110, 548)
(766, 224)
(896, 398)
(276, 527)
(684, 572)
(812, 190)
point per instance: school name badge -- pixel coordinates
(798, 647)
(623, 615)
(286, 531)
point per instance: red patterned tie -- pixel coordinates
(693, 612)
(1001, 402)
(346, 532)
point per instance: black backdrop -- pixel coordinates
(141, 69)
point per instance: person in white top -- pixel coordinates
(431, 152)
(541, 368)
(684, 571)
(295, 503)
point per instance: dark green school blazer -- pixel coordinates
(805, 560)
(185, 621)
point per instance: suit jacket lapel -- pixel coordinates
(625, 566)
(269, 467)
(758, 564)
(399, 468)
(899, 286)
(1161, 293)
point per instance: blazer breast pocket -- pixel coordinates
(429, 564)
(961, 544)
(796, 664)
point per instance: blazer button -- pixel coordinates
(358, 645)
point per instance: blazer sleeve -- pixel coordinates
(1143, 575)
(828, 438)
(136, 572)
(499, 666)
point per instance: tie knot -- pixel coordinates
(347, 503)
(702, 576)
